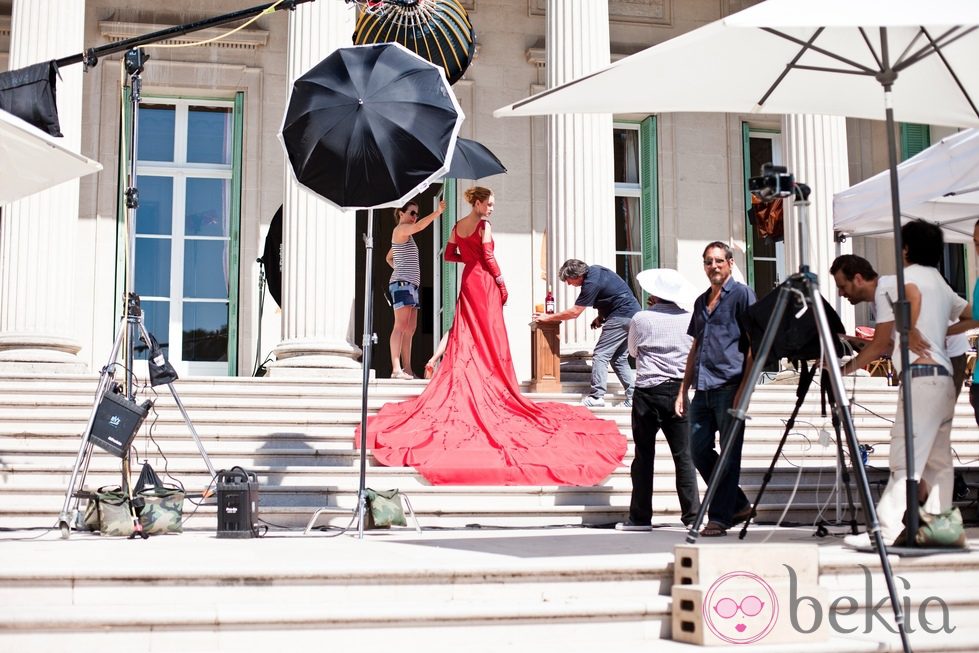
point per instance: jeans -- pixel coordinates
(653, 409)
(708, 415)
(611, 348)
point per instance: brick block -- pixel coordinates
(702, 564)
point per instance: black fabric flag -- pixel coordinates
(29, 94)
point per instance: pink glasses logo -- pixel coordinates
(740, 608)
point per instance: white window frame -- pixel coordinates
(179, 170)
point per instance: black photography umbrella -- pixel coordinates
(437, 30)
(368, 127)
(472, 160)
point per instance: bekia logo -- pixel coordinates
(115, 421)
(740, 608)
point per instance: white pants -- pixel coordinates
(933, 400)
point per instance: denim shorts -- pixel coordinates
(403, 294)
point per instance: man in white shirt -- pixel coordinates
(933, 305)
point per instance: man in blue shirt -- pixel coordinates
(604, 290)
(715, 368)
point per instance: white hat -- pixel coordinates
(668, 284)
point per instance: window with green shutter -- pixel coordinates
(914, 139)
(636, 199)
(448, 270)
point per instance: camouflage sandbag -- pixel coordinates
(944, 530)
(162, 510)
(114, 511)
(384, 509)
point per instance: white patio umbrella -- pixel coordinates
(939, 185)
(33, 161)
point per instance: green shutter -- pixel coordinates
(234, 253)
(749, 232)
(914, 139)
(449, 270)
(649, 206)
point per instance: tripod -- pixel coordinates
(133, 326)
(805, 285)
(805, 381)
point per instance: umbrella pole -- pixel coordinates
(366, 344)
(902, 309)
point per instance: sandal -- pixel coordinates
(713, 529)
(402, 375)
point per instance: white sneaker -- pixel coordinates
(860, 541)
(592, 401)
(629, 526)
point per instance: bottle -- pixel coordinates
(549, 301)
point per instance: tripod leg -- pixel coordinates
(80, 469)
(145, 335)
(845, 473)
(740, 411)
(804, 382)
(846, 420)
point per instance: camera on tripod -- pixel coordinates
(775, 181)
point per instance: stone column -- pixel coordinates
(38, 233)
(816, 152)
(318, 258)
(580, 199)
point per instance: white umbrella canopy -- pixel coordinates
(33, 161)
(939, 185)
(732, 64)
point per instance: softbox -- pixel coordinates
(272, 257)
(797, 337)
(29, 94)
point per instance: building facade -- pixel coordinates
(625, 191)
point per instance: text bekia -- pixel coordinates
(879, 610)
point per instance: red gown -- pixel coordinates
(471, 425)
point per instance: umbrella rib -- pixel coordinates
(946, 39)
(789, 66)
(948, 67)
(870, 47)
(814, 48)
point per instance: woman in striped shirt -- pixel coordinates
(403, 257)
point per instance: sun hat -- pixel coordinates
(668, 284)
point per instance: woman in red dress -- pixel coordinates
(471, 425)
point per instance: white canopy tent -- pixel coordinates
(33, 161)
(939, 185)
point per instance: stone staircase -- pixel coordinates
(297, 435)
(508, 569)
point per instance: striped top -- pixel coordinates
(406, 266)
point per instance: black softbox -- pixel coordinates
(797, 337)
(272, 257)
(29, 94)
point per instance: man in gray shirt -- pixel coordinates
(659, 342)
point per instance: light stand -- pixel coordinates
(804, 286)
(367, 343)
(132, 328)
(132, 324)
